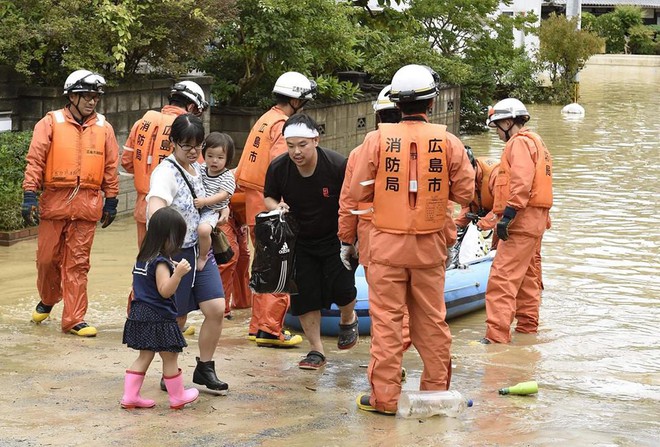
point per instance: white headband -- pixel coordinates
(300, 130)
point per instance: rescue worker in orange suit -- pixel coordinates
(73, 161)
(148, 143)
(481, 208)
(355, 218)
(522, 201)
(265, 142)
(409, 172)
(235, 274)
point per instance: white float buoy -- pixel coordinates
(573, 109)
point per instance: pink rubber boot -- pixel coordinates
(132, 384)
(179, 396)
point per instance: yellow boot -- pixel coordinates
(189, 331)
(41, 312)
(273, 341)
(83, 330)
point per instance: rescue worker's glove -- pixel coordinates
(503, 225)
(109, 211)
(30, 208)
(347, 252)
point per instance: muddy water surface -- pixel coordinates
(596, 357)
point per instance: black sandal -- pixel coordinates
(348, 335)
(314, 360)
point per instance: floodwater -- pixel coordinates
(596, 356)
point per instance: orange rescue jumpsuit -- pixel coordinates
(356, 227)
(68, 216)
(235, 274)
(514, 285)
(268, 309)
(133, 152)
(409, 270)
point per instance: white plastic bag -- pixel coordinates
(473, 246)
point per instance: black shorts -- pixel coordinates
(321, 277)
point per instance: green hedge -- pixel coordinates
(13, 149)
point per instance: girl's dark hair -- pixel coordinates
(187, 128)
(414, 107)
(165, 234)
(301, 118)
(219, 139)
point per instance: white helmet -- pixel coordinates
(414, 83)
(295, 85)
(506, 108)
(83, 81)
(383, 102)
(192, 91)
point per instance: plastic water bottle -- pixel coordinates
(424, 404)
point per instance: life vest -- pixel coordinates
(429, 180)
(252, 167)
(541, 193)
(152, 145)
(77, 154)
(484, 198)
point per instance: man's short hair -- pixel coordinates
(415, 107)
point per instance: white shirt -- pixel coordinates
(168, 184)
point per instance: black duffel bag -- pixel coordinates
(274, 252)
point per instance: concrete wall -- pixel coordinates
(122, 105)
(628, 60)
(344, 125)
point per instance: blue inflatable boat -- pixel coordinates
(465, 290)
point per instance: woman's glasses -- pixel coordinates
(189, 147)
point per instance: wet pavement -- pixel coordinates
(596, 357)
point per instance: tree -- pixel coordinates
(269, 37)
(624, 31)
(47, 39)
(452, 26)
(497, 70)
(564, 49)
(477, 52)
(246, 45)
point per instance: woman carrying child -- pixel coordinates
(176, 182)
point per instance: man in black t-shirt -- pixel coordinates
(306, 182)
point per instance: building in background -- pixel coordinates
(542, 9)
(650, 8)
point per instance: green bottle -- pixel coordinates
(522, 388)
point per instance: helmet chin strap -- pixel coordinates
(506, 131)
(295, 109)
(83, 118)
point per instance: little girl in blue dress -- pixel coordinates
(151, 326)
